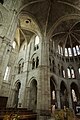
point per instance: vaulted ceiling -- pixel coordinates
(51, 18)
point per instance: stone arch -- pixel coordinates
(17, 87)
(74, 95)
(53, 81)
(63, 95)
(33, 94)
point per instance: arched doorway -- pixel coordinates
(16, 94)
(75, 95)
(53, 95)
(33, 95)
(63, 95)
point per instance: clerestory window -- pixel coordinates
(71, 72)
(14, 44)
(70, 52)
(66, 52)
(36, 43)
(7, 73)
(78, 50)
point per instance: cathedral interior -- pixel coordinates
(40, 55)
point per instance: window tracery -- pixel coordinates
(69, 52)
(35, 62)
(70, 72)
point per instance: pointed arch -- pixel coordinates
(33, 95)
(63, 95)
(53, 94)
(17, 87)
(74, 95)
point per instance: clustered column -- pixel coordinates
(44, 77)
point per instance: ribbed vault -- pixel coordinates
(46, 16)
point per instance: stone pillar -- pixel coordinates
(43, 96)
(27, 98)
(77, 76)
(5, 50)
(58, 98)
(27, 69)
(5, 47)
(10, 102)
(13, 25)
(70, 100)
(2, 49)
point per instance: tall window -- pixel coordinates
(53, 66)
(7, 73)
(50, 61)
(36, 40)
(70, 52)
(78, 50)
(33, 63)
(37, 61)
(79, 70)
(64, 73)
(53, 95)
(74, 96)
(72, 73)
(36, 46)
(69, 73)
(59, 49)
(74, 51)
(66, 52)
(19, 68)
(14, 44)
